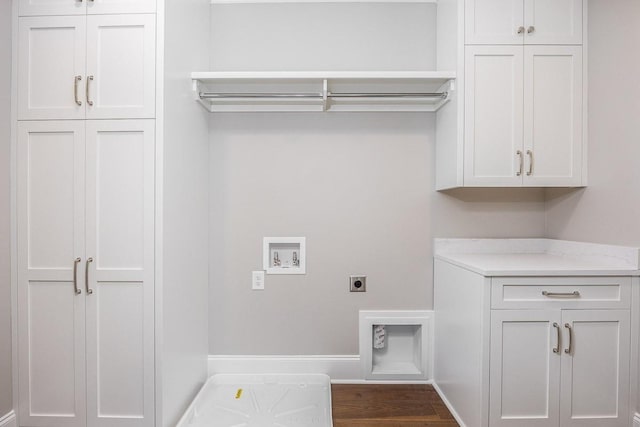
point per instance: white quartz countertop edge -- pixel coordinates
(540, 271)
(538, 257)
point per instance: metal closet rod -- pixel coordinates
(214, 95)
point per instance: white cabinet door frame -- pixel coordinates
(121, 66)
(51, 67)
(524, 370)
(493, 116)
(595, 375)
(77, 7)
(494, 22)
(51, 7)
(553, 22)
(51, 316)
(553, 116)
(120, 243)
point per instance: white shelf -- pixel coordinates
(223, 91)
(318, 1)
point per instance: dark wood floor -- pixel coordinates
(388, 406)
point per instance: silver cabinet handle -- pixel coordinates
(569, 349)
(89, 101)
(75, 275)
(520, 30)
(519, 154)
(86, 276)
(76, 80)
(530, 154)
(573, 294)
(556, 349)
(531, 29)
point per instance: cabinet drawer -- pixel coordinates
(561, 292)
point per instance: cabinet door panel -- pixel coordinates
(493, 115)
(553, 21)
(121, 66)
(524, 372)
(50, 215)
(493, 21)
(51, 54)
(120, 206)
(97, 7)
(595, 375)
(51, 7)
(553, 115)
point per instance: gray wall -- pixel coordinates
(5, 291)
(359, 186)
(183, 287)
(608, 210)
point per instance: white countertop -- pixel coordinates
(538, 257)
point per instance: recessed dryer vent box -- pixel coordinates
(406, 350)
(284, 255)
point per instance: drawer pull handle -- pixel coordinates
(556, 349)
(573, 294)
(569, 349)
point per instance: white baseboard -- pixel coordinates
(636, 420)
(8, 420)
(448, 405)
(342, 367)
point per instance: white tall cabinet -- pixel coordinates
(109, 258)
(85, 272)
(85, 213)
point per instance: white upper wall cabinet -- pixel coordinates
(76, 67)
(493, 116)
(523, 22)
(553, 115)
(523, 116)
(82, 7)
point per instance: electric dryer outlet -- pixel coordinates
(357, 283)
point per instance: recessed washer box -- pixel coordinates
(284, 255)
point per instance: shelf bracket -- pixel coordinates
(325, 94)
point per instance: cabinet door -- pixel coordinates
(120, 246)
(553, 115)
(595, 373)
(51, 7)
(525, 370)
(493, 116)
(51, 67)
(553, 21)
(494, 22)
(96, 7)
(121, 66)
(50, 233)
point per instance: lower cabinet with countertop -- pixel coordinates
(536, 332)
